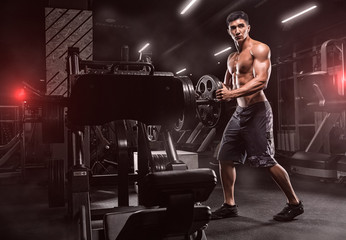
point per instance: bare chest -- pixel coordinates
(241, 63)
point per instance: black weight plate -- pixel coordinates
(188, 116)
(210, 113)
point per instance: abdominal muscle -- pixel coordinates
(238, 81)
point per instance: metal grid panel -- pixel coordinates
(65, 28)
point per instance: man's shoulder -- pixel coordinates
(258, 47)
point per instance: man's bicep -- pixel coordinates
(262, 67)
(262, 64)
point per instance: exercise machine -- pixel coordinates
(98, 98)
(329, 98)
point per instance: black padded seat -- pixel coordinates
(97, 214)
(172, 198)
(150, 224)
(159, 186)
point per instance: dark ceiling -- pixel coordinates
(176, 40)
(191, 40)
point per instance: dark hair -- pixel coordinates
(237, 15)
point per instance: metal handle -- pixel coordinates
(84, 63)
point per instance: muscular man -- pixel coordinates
(249, 132)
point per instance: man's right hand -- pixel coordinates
(224, 94)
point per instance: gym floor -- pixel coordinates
(24, 211)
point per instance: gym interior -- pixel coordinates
(102, 134)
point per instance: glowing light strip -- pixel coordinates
(222, 51)
(188, 6)
(180, 71)
(145, 46)
(298, 14)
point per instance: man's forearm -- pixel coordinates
(255, 85)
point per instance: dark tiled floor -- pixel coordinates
(24, 211)
(259, 199)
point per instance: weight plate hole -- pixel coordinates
(202, 87)
(209, 86)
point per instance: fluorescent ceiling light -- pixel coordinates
(222, 51)
(188, 6)
(180, 71)
(298, 14)
(144, 47)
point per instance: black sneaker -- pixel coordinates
(225, 211)
(289, 212)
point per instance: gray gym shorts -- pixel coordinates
(249, 135)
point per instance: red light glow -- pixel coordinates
(20, 94)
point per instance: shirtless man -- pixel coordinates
(249, 132)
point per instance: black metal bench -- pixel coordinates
(172, 199)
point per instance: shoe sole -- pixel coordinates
(279, 219)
